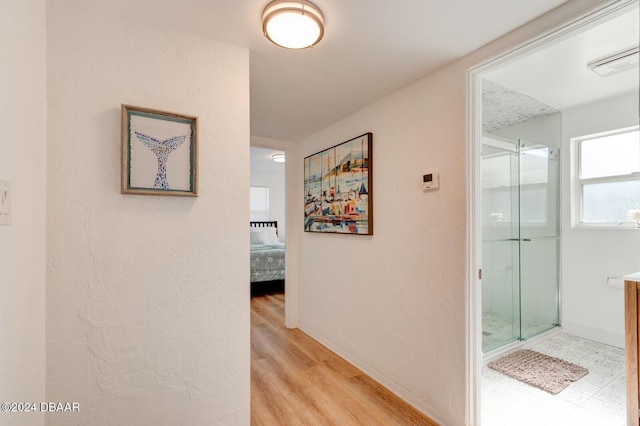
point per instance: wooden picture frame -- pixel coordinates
(159, 152)
(338, 188)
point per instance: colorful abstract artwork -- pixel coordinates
(337, 188)
(159, 152)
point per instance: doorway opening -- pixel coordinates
(538, 269)
(267, 221)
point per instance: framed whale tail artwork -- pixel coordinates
(159, 152)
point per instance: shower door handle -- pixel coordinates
(541, 238)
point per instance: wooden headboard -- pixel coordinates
(264, 224)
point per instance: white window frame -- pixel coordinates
(578, 183)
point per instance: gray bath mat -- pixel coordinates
(540, 370)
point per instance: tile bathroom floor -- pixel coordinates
(597, 399)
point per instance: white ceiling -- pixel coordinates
(371, 48)
(558, 75)
(261, 160)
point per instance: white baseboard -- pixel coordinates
(609, 337)
(403, 393)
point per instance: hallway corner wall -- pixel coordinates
(22, 242)
(147, 296)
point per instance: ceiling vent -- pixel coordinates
(618, 62)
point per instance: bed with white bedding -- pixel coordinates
(267, 257)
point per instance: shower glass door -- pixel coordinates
(520, 241)
(539, 238)
(500, 243)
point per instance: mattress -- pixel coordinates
(267, 262)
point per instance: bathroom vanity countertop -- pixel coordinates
(632, 277)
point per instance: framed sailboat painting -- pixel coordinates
(338, 188)
(159, 152)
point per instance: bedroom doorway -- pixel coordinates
(267, 221)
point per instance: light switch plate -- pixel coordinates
(5, 202)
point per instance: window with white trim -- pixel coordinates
(607, 178)
(259, 203)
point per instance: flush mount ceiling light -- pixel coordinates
(278, 158)
(618, 62)
(293, 24)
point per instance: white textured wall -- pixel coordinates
(22, 244)
(393, 303)
(147, 296)
(590, 308)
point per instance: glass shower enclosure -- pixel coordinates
(520, 240)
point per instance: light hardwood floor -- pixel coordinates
(297, 381)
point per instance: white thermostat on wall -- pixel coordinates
(430, 181)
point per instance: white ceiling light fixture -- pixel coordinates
(278, 158)
(293, 24)
(618, 62)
